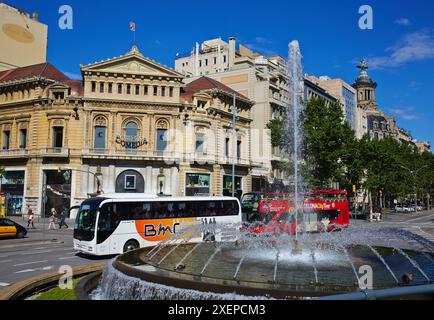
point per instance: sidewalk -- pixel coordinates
(42, 223)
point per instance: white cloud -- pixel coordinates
(404, 113)
(416, 46)
(403, 22)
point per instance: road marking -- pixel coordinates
(4, 261)
(33, 252)
(27, 263)
(24, 271)
(4, 284)
(66, 258)
(37, 269)
(47, 268)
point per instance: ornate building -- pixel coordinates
(131, 125)
(369, 117)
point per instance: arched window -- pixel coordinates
(131, 135)
(162, 135)
(100, 132)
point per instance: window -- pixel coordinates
(131, 135)
(224, 59)
(171, 92)
(163, 91)
(215, 60)
(161, 139)
(6, 139)
(227, 147)
(206, 62)
(93, 86)
(239, 149)
(200, 139)
(146, 91)
(128, 89)
(99, 139)
(110, 87)
(137, 90)
(155, 91)
(119, 88)
(200, 63)
(130, 182)
(57, 137)
(23, 138)
(101, 87)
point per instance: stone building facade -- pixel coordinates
(263, 80)
(131, 125)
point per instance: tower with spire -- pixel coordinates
(365, 88)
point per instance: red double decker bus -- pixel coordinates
(322, 210)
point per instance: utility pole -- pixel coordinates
(234, 145)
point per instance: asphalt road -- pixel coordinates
(42, 251)
(47, 250)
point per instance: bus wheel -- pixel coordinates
(131, 245)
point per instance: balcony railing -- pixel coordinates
(14, 153)
(129, 153)
(55, 152)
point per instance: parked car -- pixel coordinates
(403, 208)
(11, 229)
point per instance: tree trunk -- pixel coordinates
(371, 212)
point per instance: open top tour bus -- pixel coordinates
(114, 224)
(322, 210)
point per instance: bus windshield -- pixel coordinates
(85, 221)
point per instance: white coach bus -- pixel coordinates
(116, 223)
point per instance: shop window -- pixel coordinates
(197, 185)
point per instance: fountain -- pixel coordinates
(263, 267)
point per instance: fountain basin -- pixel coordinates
(270, 271)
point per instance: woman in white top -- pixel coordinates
(52, 224)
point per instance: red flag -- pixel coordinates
(132, 26)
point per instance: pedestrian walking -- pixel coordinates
(53, 215)
(30, 222)
(62, 220)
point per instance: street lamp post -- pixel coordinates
(414, 174)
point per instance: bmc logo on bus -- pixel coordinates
(152, 231)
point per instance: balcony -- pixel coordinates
(13, 154)
(126, 154)
(55, 152)
(238, 161)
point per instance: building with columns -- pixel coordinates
(130, 126)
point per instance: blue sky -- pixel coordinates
(400, 48)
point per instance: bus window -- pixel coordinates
(107, 222)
